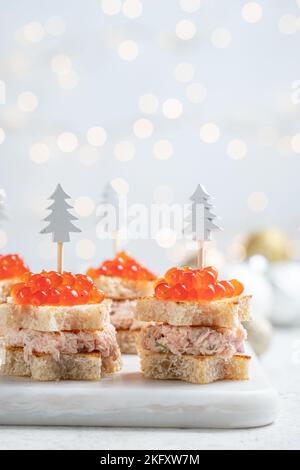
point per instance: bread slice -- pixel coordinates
(225, 313)
(118, 288)
(5, 288)
(42, 367)
(127, 341)
(193, 369)
(56, 318)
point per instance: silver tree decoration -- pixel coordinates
(3, 215)
(111, 201)
(60, 222)
(201, 221)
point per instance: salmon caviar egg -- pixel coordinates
(68, 296)
(206, 293)
(15, 288)
(96, 296)
(83, 296)
(41, 283)
(83, 282)
(69, 279)
(23, 295)
(12, 266)
(238, 286)
(25, 277)
(119, 268)
(229, 288)
(220, 290)
(212, 270)
(179, 292)
(55, 278)
(204, 278)
(195, 284)
(170, 275)
(122, 266)
(53, 296)
(162, 290)
(190, 279)
(38, 298)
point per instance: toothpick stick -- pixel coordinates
(116, 242)
(201, 254)
(60, 257)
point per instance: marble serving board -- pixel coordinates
(127, 399)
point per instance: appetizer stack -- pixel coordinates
(57, 326)
(124, 280)
(197, 335)
(12, 267)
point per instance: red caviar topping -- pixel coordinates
(122, 266)
(12, 266)
(182, 284)
(52, 288)
(162, 290)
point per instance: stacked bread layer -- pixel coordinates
(198, 342)
(124, 294)
(53, 343)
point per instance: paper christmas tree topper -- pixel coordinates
(111, 199)
(60, 222)
(201, 221)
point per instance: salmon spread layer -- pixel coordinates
(122, 315)
(197, 341)
(68, 342)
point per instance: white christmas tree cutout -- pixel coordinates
(111, 201)
(60, 222)
(201, 221)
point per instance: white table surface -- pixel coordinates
(283, 369)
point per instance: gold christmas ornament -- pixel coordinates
(272, 243)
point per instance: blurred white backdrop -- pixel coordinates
(157, 96)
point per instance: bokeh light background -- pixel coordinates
(155, 96)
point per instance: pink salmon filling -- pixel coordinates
(197, 341)
(68, 342)
(122, 315)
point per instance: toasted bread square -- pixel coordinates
(42, 367)
(225, 313)
(56, 318)
(193, 369)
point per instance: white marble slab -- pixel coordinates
(127, 399)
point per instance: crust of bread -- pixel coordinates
(226, 313)
(5, 288)
(42, 367)
(56, 318)
(118, 288)
(127, 341)
(193, 369)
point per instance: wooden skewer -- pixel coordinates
(60, 257)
